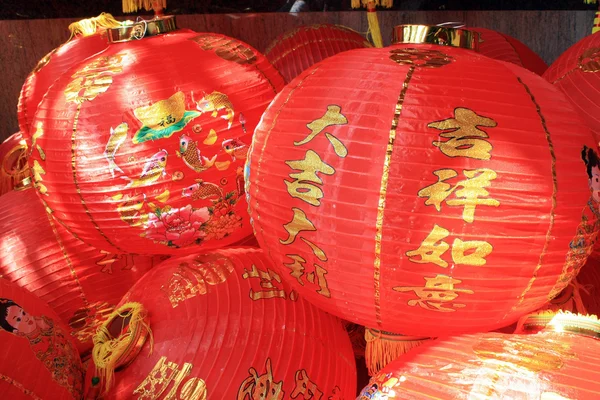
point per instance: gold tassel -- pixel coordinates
(130, 6)
(374, 30)
(15, 174)
(110, 353)
(385, 347)
(89, 26)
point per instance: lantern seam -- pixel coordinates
(515, 49)
(565, 75)
(383, 194)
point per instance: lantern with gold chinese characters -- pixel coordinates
(223, 326)
(38, 358)
(82, 284)
(298, 49)
(14, 172)
(558, 363)
(408, 199)
(88, 37)
(136, 153)
(577, 74)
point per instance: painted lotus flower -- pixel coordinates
(177, 227)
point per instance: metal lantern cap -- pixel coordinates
(433, 34)
(562, 321)
(142, 28)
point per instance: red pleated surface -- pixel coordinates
(423, 190)
(137, 153)
(300, 48)
(545, 366)
(506, 48)
(51, 67)
(241, 333)
(38, 358)
(575, 73)
(80, 283)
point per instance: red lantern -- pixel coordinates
(300, 48)
(558, 363)
(422, 189)
(506, 48)
(224, 326)
(88, 37)
(13, 167)
(141, 149)
(38, 358)
(575, 73)
(82, 284)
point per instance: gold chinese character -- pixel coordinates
(38, 171)
(305, 387)
(93, 79)
(160, 378)
(333, 116)
(472, 191)
(471, 252)
(437, 293)
(303, 187)
(336, 394)
(465, 136)
(298, 224)
(297, 267)
(261, 387)
(319, 276)
(269, 290)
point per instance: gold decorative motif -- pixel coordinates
(333, 116)
(589, 60)
(261, 387)
(191, 280)
(420, 58)
(304, 186)
(268, 279)
(85, 321)
(163, 374)
(94, 79)
(297, 268)
(19, 386)
(299, 223)
(437, 293)
(226, 48)
(305, 386)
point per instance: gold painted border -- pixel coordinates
(19, 386)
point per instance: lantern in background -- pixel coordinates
(13, 168)
(88, 37)
(137, 153)
(298, 49)
(559, 363)
(408, 205)
(576, 74)
(82, 284)
(503, 47)
(224, 326)
(38, 357)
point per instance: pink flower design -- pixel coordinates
(177, 227)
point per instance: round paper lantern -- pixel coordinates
(559, 363)
(575, 73)
(391, 188)
(224, 326)
(300, 48)
(14, 171)
(82, 284)
(138, 153)
(88, 37)
(38, 358)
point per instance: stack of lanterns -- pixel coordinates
(385, 186)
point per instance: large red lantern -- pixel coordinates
(14, 172)
(559, 363)
(392, 188)
(300, 48)
(224, 326)
(506, 48)
(576, 74)
(88, 37)
(38, 358)
(141, 148)
(82, 284)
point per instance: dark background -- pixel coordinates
(34, 9)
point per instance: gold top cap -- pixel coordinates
(142, 28)
(561, 321)
(435, 34)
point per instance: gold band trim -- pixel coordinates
(554, 191)
(142, 29)
(440, 35)
(372, 334)
(561, 321)
(383, 193)
(19, 386)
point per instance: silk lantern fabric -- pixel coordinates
(503, 47)
(81, 284)
(576, 74)
(141, 154)
(392, 189)
(550, 365)
(13, 163)
(226, 326)
(300, 48)
(38, 358)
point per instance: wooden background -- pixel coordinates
(24, 42)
